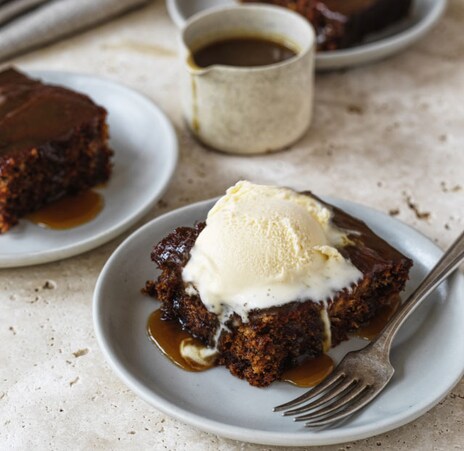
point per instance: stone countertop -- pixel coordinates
(389, 135)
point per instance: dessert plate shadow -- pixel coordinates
(427, 353)
(145, 156)
(425, 14)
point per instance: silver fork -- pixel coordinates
(363, 374)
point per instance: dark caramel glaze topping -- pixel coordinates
(368, 250)
(33, 114)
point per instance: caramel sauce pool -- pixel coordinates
(168, 337)
(309, 373)
(377, 324)
(69, 212)
(242, 52)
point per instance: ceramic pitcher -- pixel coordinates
(248, 110)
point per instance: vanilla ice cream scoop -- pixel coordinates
(264, 246)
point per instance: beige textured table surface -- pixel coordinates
(388, 135)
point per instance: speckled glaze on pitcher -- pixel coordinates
(248, 110)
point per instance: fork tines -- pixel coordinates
(325, 384)
(334, 399)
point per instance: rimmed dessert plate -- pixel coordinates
(145, 156)
(426, 354)
(425, 14)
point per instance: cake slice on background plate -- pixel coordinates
(53, 143)
(343, 23)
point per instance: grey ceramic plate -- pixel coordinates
(427, 355)
(145, 157)
(425, 15)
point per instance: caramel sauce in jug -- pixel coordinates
(243, 52)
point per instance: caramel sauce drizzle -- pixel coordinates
(69, 212)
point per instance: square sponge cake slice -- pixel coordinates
(53, 143)
(271, 340)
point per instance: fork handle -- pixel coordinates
(445, 266)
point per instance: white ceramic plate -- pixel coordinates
(145, 147)
(424, 16)
(427, 355)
